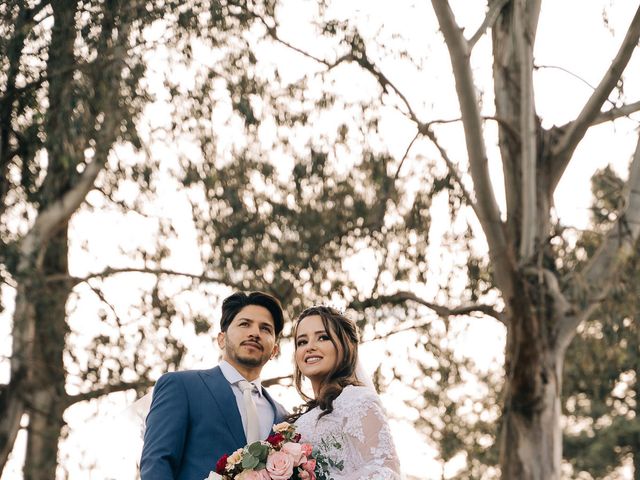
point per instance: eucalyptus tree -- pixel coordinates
(542, 309)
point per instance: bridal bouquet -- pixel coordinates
(280, 457)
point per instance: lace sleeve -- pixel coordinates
(370, 438)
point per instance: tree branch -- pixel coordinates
(363, 60)
(489, 20)
(273, 33)
(12, 407)
(573, 74)
(152, 271)
(599, 274)
(563, 150)
(500, 121)
(395, 331)
(488, 212)
(406, 154)
(452, 168)
(104, 300)
(62, 209)
(402, 297)
(617, 112)
(357, 56)
(528, 174)
(107, 389)
(269, 382)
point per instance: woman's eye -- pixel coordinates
(300, 343)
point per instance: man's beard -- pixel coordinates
(250, 361)
(246, 360)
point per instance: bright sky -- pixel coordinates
(583, 47)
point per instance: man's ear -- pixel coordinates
(274, 352)
(221, 339)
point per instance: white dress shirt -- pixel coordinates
(265, 410)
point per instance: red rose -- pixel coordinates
(275, 439)
(220, 464)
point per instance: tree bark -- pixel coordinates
(48, 397)
(635, 441)
(506, 85)
(531, 438)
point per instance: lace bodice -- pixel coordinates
(359, 425)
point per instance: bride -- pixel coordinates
(345, 418)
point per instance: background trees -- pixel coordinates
(73, 91)
(62, 112)
(304, 162)
(601, 386)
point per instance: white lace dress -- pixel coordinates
(358, 423)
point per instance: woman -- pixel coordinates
(345, 419)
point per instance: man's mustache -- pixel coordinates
(253, 343)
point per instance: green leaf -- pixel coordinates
(250, 462)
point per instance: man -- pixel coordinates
(198, 416)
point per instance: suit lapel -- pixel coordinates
(222, 394)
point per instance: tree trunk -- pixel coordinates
(48, 398)
(531, 437)
(635, 444)
(72, 124)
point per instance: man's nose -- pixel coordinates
(254, 331)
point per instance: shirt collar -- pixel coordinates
(233, 376)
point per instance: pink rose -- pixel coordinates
(304, 475)
(295, 450)
(310, 467)
(306, 449)
(280, 465)
(306, 470)
(254, 475)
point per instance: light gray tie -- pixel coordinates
(253, 424)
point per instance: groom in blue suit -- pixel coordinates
(198, 416)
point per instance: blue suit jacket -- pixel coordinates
(193, 421)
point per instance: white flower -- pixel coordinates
(235, 458)
(281, 427)
(213, 476)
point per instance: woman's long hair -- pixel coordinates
(343, 333)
